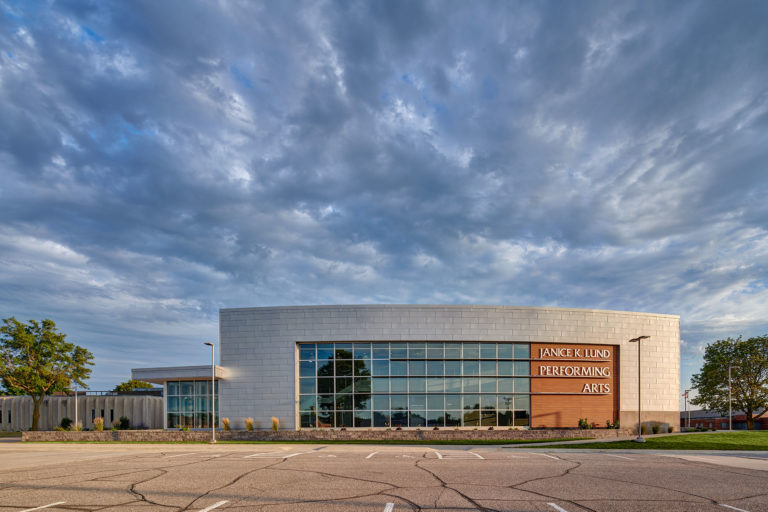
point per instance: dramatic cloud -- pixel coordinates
(160, 160)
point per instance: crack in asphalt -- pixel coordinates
(445, 485)
(240, 501)
(568, 471)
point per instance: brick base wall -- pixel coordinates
(320, 435)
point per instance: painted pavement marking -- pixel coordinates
(617, 456)
(371, 455)
(732, 508)
(44, 506)
(215, 505)
(390, 507)
(557, 507)
(181, 455)
(272, 455)
(544, 455)
(459, 455)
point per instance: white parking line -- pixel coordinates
(273, 455)
(557, 507)
(44, 506)
(390, 507)
(181, 455)
(732, 508)
(215, 505)
(617, 456)
(544, 455)
(460, 455)
(371, 455)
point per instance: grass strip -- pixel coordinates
(748, 441)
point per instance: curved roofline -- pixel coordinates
(450, 306)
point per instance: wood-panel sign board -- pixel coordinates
(570, 381)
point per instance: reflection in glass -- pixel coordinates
(522, 351)
(324, 351)
(436, 402)
(306, 352)
(431, 384)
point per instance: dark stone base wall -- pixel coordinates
(321, 435)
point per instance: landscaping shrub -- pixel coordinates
(123, 423)
(584, 423)
(225, 423)
(249, 424)
(643, 429)
(275, 423)
(655, 428)
(98, 424)
(78, 426)
(670, 429)
(66, 423)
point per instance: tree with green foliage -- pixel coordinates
(36, 360)
(132, 384)
(749, 382)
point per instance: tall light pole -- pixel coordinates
(730, 399)
(75, 405)
(639, 425)
(686, 407)
(213, 396)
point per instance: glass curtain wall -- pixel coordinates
(189, 403)
(430, 384)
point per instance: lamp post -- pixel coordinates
(75, 405)
(213, 396)
(687, 410)
(730, 399)
(639, 426)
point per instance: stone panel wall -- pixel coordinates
(258, 347)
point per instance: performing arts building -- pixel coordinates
(417, 366)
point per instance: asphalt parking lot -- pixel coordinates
(298, 477)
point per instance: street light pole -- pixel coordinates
(687, 410)
(75, 405)
(639, 424)
(730, 400)
(213, 396)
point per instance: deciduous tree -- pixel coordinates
(36, 360)
(132, 384)
(749, 381)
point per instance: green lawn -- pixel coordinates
(753, 441)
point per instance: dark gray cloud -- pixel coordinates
(160, 160)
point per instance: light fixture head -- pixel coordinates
(633, 340)
(208, 343)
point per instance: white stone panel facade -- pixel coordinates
(258, 347)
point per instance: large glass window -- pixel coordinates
(189, 402)
(415, 384)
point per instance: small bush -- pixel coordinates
(59, 429)
(225, 424)
(98, 424)
(184, 428)
(123, 423)
(78, 426)
(66, 423)
(670, 429)
(643, 429)
(249, 424)
(584, 423)
(275, 424)
(655, 428)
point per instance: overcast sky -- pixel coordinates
(160, 160)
